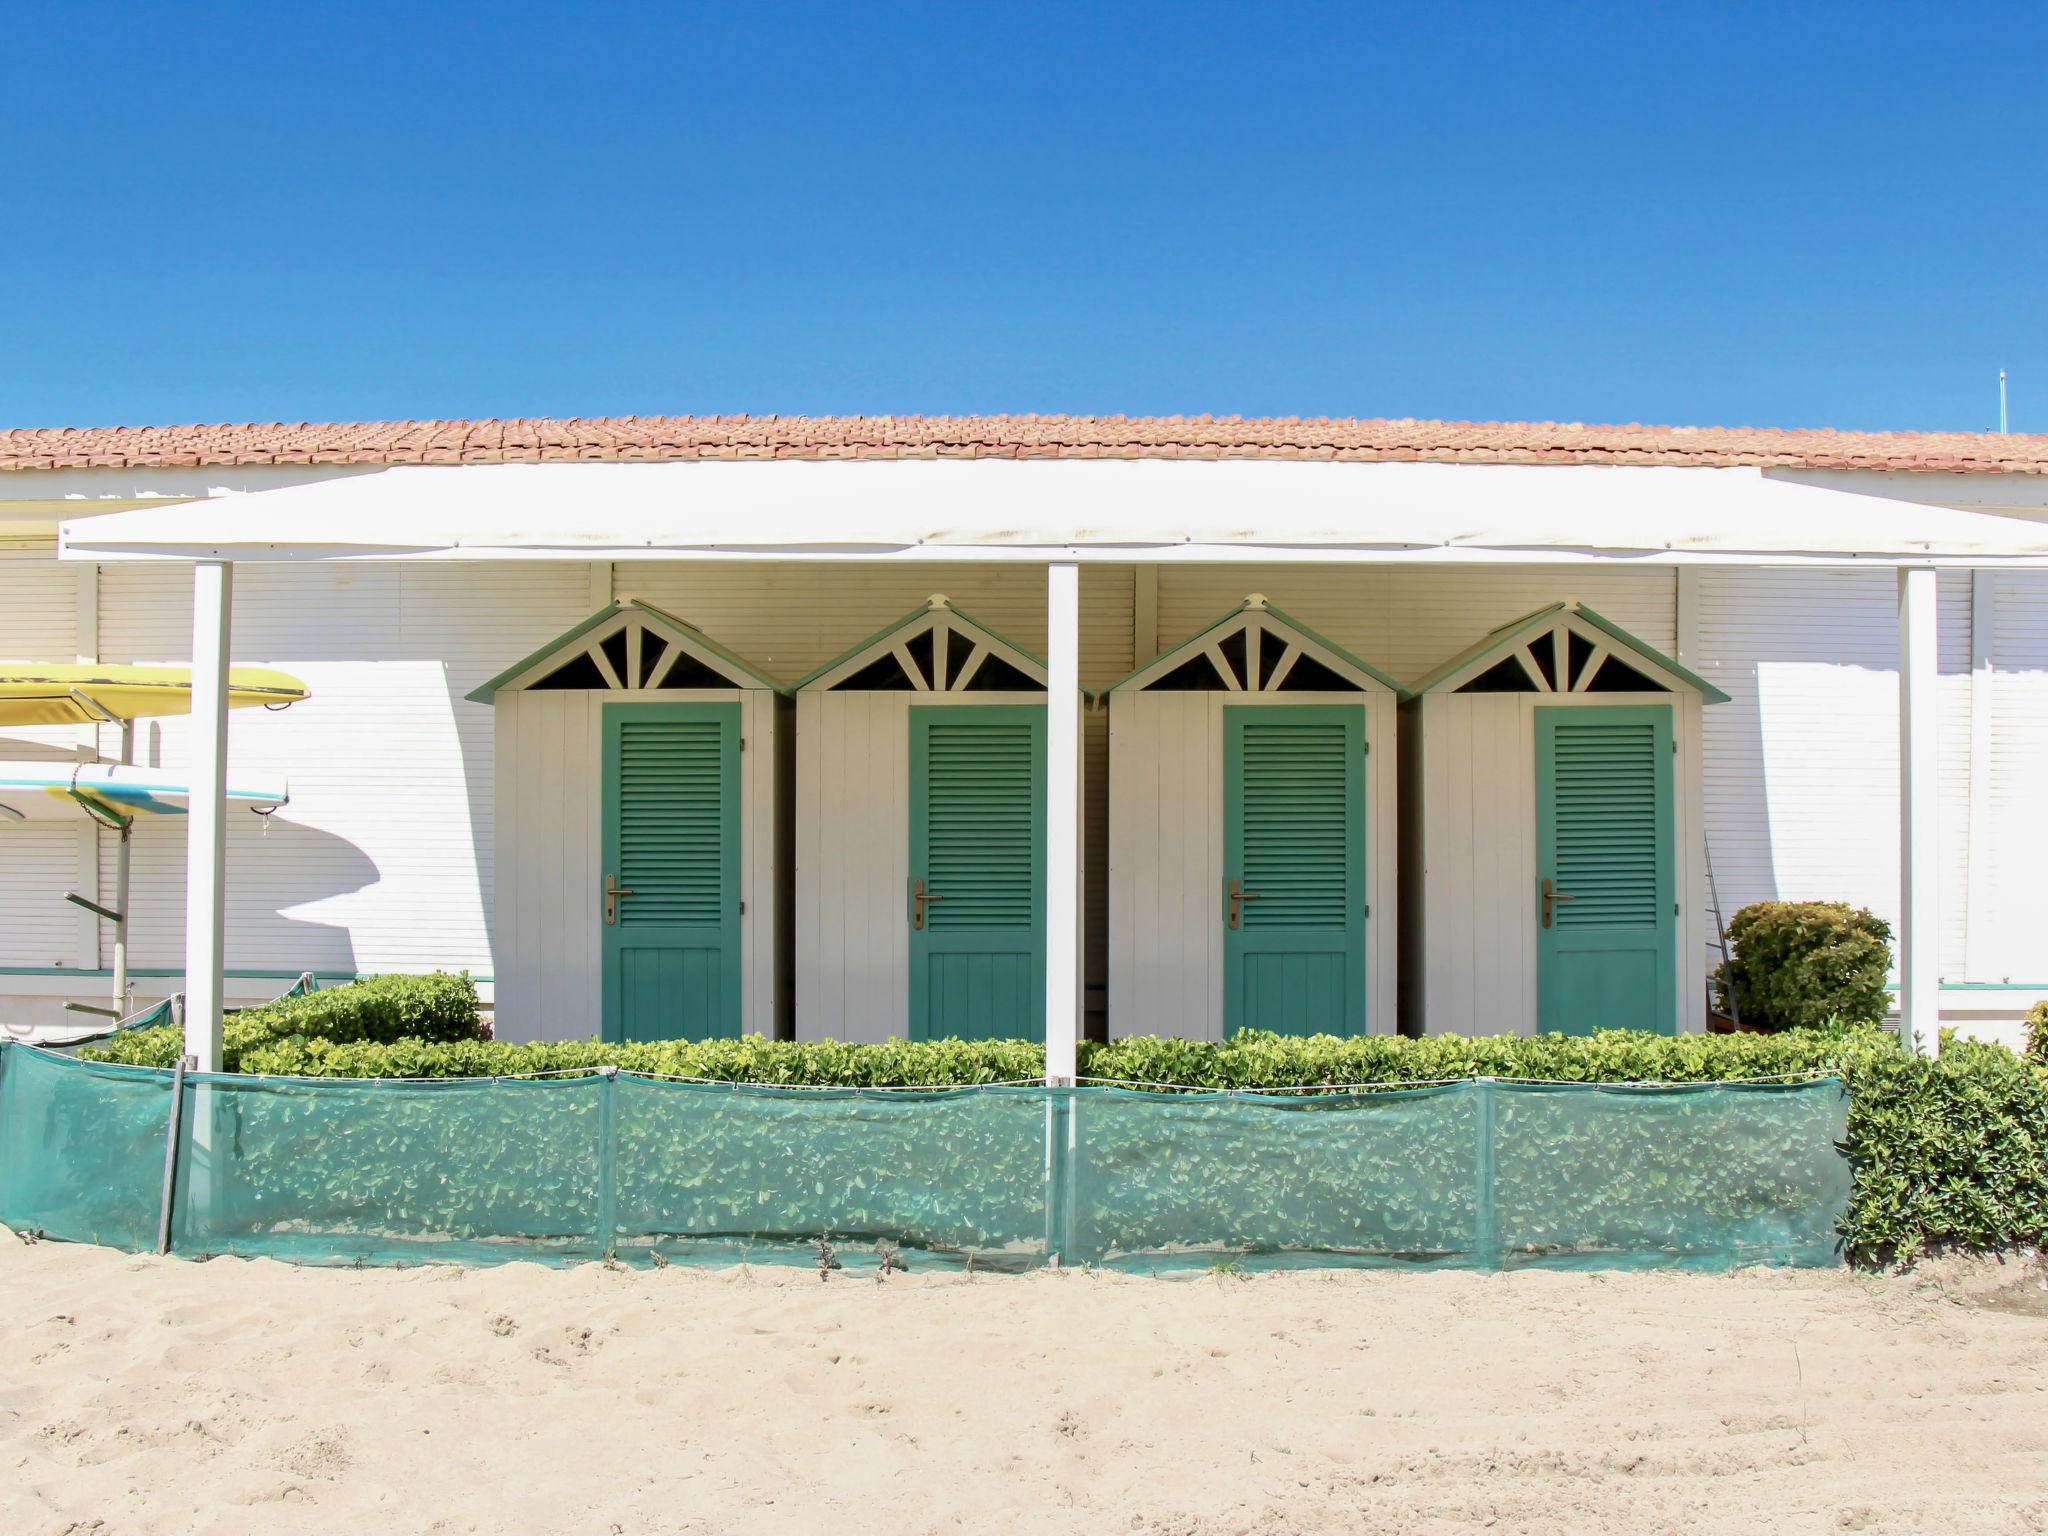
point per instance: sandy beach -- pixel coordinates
(140, 1395)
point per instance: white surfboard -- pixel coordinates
(52, 791)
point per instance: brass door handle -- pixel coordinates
(612, 892)
(1551, 896)
(918, 897)
(1238, 897)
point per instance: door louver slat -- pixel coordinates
(1295, 805)
(1606, 825)
(980, 828)
(671, 810)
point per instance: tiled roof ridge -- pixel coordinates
(548, 439)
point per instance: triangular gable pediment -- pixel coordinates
(628, 645)
(935, 648)
(1565, 647)
(1257, 648)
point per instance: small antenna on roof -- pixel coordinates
(2002, 424)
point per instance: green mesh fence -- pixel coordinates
(1477, 1174)
(81, 1148)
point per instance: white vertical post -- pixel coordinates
(1062, 820)
(1919, 871)
(206, 832)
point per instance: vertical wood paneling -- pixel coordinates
(1695, 926)
(810, 977)
(1180, 869)
(1447, 840)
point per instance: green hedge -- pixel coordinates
(2037, 1033)
(440, 1009)
(1948, 1154)
(1799, 964)
(1247, 1060)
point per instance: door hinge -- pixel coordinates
(1368, 909)
(743, 743)
(1368, 749)
(1674, 909)
(743, 909)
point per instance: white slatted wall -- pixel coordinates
(40, 862)
(2017, 950)
(1802, 764)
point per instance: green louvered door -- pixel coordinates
(1294, 869)
(672, 852)
(977, 860)
(1607, 947)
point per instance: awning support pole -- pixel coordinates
(1919, 852)
(206, 846)
(1062, 821)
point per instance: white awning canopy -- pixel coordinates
(1125, 510)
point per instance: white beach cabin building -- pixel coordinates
(1253, 842)
(1874, 605)
(1552, 798)
(920, 835)
(642, 785)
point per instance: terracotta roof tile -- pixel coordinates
(1013, 437)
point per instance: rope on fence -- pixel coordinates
(1809, 1074)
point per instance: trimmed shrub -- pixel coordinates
(2037, 1034)
(1247, 1060)
(439, 1008)
(1800, 964)
(819, 1064)
(1948, 1154)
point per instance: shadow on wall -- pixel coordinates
(390, 765)
(287, 890)
(282, 880)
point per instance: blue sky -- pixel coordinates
(1818, 216)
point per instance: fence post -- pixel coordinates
(1486, 1237)
(1060, 1154)
(163, 1218)
(607, 1160)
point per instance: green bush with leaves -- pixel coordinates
(1802, 964)
(2037, 1034)
(1247, 1060)
(1951, 1153)
(439, 1008)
